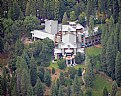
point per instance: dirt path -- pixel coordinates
(83, 78)
(98, 46)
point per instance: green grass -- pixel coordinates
(53, 65)
(99, 83)
(79, 66)
(93, 51)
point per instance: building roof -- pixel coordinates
(79, 26)
(68, 45)
(81, 50)
(57, 50)
(72, 23)
(41, 34)
(68, 51)
(67, 28)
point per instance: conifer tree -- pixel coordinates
(19, 48)
(33, 71)
(39, 88)
(105, 92)
(30, 8)
(118, 68)
(25, 82)
(77, 87)
(61, 79)
(54, 91)
(57, 5)
(65, 19)
(69, 90)
(114, 88)
(61, 91)
(110, 58)
(79, 72)
(73, 16)
(47, 78)
(14, 11)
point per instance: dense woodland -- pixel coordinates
(27, 72)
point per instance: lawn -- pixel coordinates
(99, 83)
(79, 66)
(55, 65)
(93, 51)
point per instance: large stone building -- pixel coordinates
(69, 39)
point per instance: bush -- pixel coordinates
(79, 72)
(53, 70)
(79, 58)
(61, 64)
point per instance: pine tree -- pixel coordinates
(61, 91)
(25, 82)
(14, 11)
(21, 75)
(114, 88)
(33, 71)
(88, 92)
(118, 68)
(105, 92)
(110, 58)
(120, 40)
(39, 88)
(91, 26)
(54, 91)
(61, 79)
(41, 73)
(4, 82)
(73, 16)
(1, 45)
(19, 48)
(115, 10)
(89, 76)
(104, 39)
(39, 7)
(57, 5)
(79, 72)
(30, 8)
(77, 87)
(65, 19)
(69, 90)
(47, 78)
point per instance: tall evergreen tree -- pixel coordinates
(61, 91)
(14, 11)
(57, 6)
(104, 39)
(54, 91)
(110, 58)
(47, 78)
(77, 87)
(21, 75)
(73, 16)
(30, 8)
(39, 88)
(19, 48)
(105, 92)
(69, 90)
(33, 71)
(65, 19)
(25, 83)
(118, 68)
(114, 88)
(61, 79)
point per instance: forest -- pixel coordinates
(27, 69)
